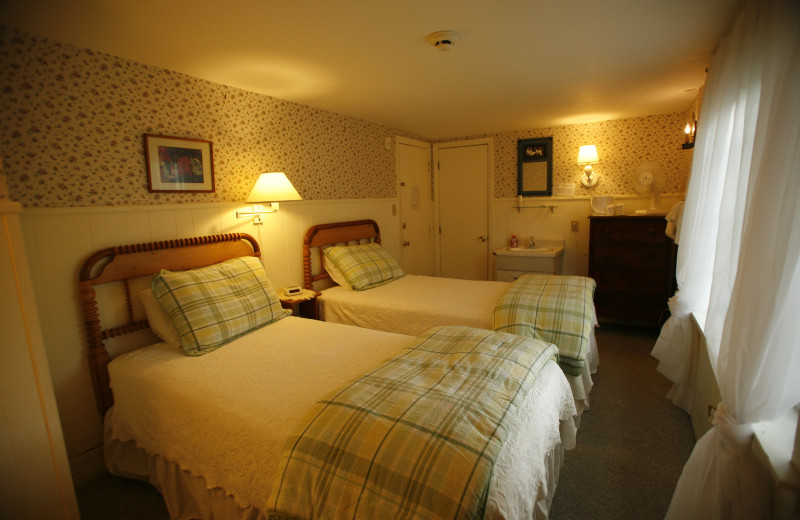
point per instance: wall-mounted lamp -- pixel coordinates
(588, 155)
(270, 187)
(690, 130)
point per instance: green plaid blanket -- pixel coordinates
(552, 308)
(416, 438)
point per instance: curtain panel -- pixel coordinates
(740, 256)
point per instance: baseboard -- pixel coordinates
(87, 466)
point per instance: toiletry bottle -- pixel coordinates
(513, 242)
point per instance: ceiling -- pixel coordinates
(518, 64)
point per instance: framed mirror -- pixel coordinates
(535, 167)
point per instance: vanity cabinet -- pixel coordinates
(510, 266)
(633, 262)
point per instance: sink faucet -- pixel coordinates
(532, 243)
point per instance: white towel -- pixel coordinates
(674, 221)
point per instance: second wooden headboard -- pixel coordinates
(319, 236)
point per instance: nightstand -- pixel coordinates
(302, 307)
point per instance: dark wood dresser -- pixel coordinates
(633, 263)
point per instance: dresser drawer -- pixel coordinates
(640, 258)
(633, 262)
(643, 282)
(629, 230)
(630, 307)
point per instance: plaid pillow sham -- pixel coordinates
(214, 305)
(364, 266)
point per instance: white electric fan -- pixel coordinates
(649, 179)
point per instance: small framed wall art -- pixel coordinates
(179, 164)
(535, 167)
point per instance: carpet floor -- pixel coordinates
(632, 445)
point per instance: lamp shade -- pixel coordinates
(273, 187)
(587, 154)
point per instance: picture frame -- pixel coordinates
(535, 167)
(179, 164)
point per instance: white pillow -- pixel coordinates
(158, 319)
(336, 274)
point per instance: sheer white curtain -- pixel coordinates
(743, 265)
(720, 169)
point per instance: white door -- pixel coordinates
(463, 177)
(413, 174)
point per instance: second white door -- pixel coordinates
(463, 208)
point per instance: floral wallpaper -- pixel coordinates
(72, 122)
(622, 145)
(3, 187)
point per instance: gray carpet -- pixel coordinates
(112, 498)
(632, 445)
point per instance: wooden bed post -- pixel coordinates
(98, 356)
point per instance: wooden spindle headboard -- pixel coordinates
(122, 264)
(319, 236)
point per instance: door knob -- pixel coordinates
(482, 238)
(406, 243)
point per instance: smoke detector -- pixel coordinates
(443, 40)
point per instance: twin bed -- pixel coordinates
(239, 411)
(378, 295)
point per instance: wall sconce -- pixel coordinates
(588, 155)
(690, 130)
(270, 187)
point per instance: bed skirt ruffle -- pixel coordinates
(187, 497)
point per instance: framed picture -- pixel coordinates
(179, 164)
(535, 167)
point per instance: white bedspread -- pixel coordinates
(413, 304)
(224, 416)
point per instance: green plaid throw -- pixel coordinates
(416, 438)
(552, 308)
(364, 266)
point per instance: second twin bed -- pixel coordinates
(371, 291)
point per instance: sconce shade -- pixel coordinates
(273, 187)
(588, 154)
